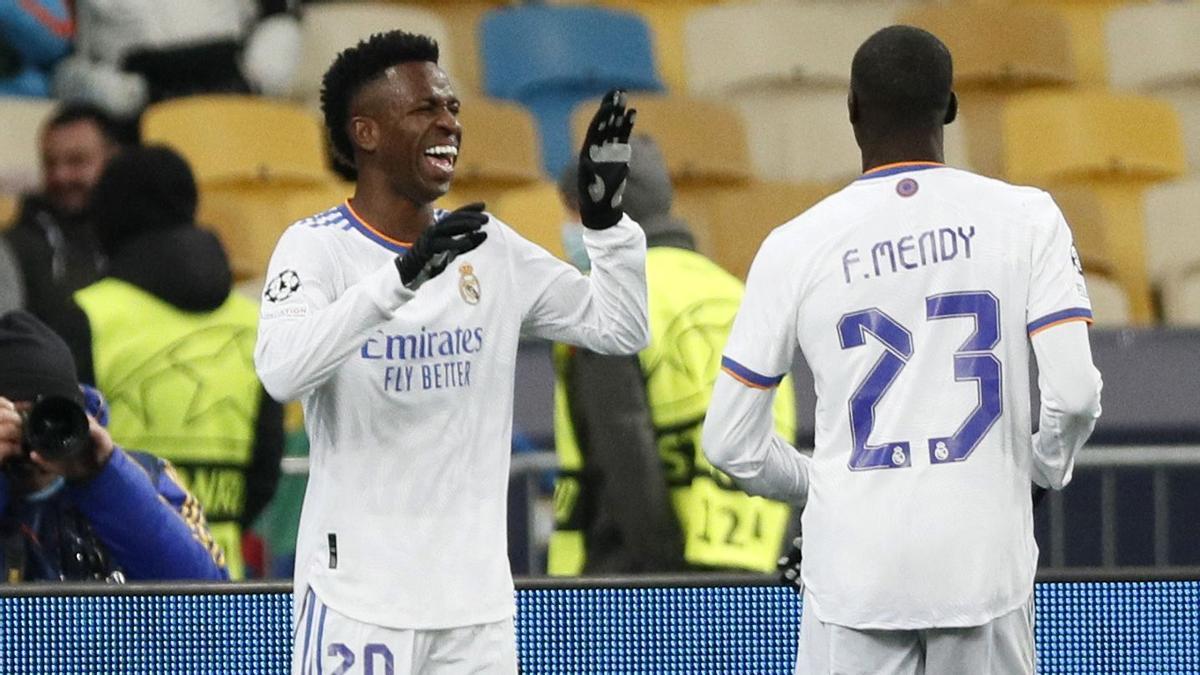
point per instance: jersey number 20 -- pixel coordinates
(972, 361)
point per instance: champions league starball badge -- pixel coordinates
(468, 284)
(283, 286)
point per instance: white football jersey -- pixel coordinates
(912, 294)
(408, 403)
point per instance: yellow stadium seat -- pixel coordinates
(1110, 215)
(534, 210)
(1090, 134)
(229, 138)
(1181, 299)
(1087, 20)
(740, 218)
(500, 144)
(1110, 306)
(1172, 228)
(20, 157)
(461, 18)
(703, 142)
(249, 217)
(330, 27)
(998, 51)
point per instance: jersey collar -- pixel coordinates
(899, 167)
(365, 228)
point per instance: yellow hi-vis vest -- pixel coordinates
(692, 305)
(181, 385)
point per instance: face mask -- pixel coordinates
(572, 240)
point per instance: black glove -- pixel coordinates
(604, 162)
(441, 243)
(789, 568)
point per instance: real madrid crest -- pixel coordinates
(468, 284)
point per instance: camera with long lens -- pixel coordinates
(57, 427)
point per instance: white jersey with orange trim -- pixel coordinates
(913, 294)
(408, 403)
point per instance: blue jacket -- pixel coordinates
(134, 517)
(133, 520)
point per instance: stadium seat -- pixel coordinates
(666, 21)
(19, 138)
(1108, 147)
(1109, 216)
(998, 51)
(534, 210)
(702, 141)
(1086, 19)
(740, 218)
(755, 46)
(228, 138)
(1154, 45)
(250, 217)
(1181, 299)
(805, 135)
(500, 144)
(551, 58)
(1090, 134)
(1172, 228)
(461, 18)
(1166, 66)
(330, 27)
(1110, 307)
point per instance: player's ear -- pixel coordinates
(852, 107)
(364, 132)
(951, 109)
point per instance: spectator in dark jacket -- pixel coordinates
(100, 514)
(171, 344)
(52, 238)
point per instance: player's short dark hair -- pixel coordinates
(70, 113)
(903, 75)
(358, 65)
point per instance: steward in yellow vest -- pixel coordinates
(635, 493)
(171, 346)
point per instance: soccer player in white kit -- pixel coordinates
(914, 294)
(403, 356)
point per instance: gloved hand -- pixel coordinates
(789, 568)
(440, 244)
(604, 162)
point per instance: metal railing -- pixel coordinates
(528, 467)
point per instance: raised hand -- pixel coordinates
(604, 162)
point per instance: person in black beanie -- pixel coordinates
(170, 343)
(100, 513)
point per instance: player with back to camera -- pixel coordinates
(914, 294)
(403, 356)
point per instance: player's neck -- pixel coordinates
(395, 215)
(896, 152)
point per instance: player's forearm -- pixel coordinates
(615, 317)
(299, 348)
(739, 439)
(1070, 401)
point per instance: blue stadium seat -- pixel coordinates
(551, 58)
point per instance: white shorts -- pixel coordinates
(330, 643)
(1003, 646)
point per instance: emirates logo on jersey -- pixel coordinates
(468, 284)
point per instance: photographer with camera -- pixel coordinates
(73, 506)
